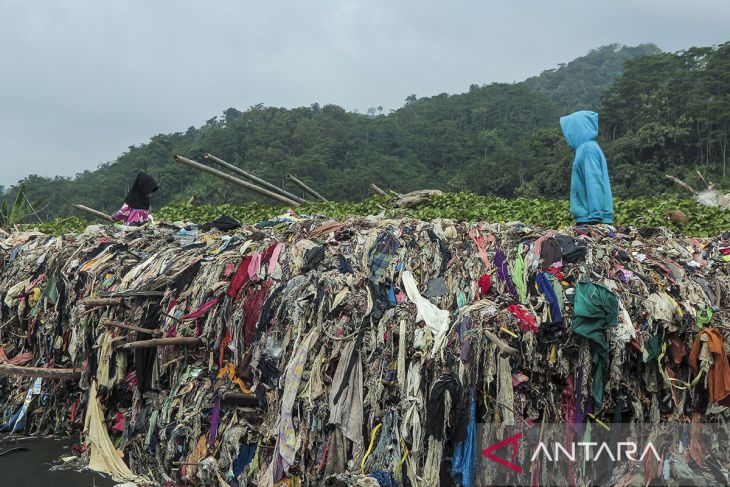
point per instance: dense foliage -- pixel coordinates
(703, 221)
(497, 139)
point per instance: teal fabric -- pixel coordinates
(595, 309)
(590, 189)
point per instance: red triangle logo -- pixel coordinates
(512, 440)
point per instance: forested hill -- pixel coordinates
(660, 112)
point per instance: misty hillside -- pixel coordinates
(500, 139)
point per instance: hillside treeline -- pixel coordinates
(659, 113)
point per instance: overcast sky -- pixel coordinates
(80, 80)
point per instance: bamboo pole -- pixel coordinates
(682, 183)
(306, 188)
(92, 211)
(124, 326)
(255, 179)
(214, 172)
(162, 342)
(377, 190)
(14, 370)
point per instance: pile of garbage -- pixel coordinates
(361, 352)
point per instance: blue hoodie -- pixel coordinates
(590, 189)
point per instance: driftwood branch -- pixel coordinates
(415, 198)
(162, 342)
(500, 343)
(14, 370)
(102, 301)
(377, 190)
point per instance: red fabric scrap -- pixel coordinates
(525, 319)
(252, 308)
(485, 282)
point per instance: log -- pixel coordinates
(500, 343)
(306, 188)
(411, 200)
(255, 179)
(214, 172)
(162, 342)
(92, 211)
(124, 326)
(14, 370)
(377, 190)
(102, 301)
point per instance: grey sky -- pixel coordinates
(82, 80)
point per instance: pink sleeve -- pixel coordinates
(123, 213)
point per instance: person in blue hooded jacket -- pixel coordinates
(590, 190)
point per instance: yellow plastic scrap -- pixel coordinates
(553, 354)
(230, 371)
(34, 297)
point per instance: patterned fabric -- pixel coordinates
(132, 216)
(381, 255)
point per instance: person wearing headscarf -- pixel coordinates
(136, 207)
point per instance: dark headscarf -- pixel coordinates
(137, 198)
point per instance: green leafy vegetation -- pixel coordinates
(649, 212)
(20, 209)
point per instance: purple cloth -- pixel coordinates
(465, 341)
(215, 418)
(500, 262)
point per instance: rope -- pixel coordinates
(684, 385)
(370, 448)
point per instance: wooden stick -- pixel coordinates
(68, 374)
(500, 343)
(124, 326)
(91, 310)
(127, 294)
(92, 211)
(178, 359)
(102, 301)
(682, 183)
(306, 188)
(162, 342)
(234, 180)
(377, 190)
(255, 179)
(703, 179)
(174, 318)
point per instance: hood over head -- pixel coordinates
(579, 127)
(138, 198)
